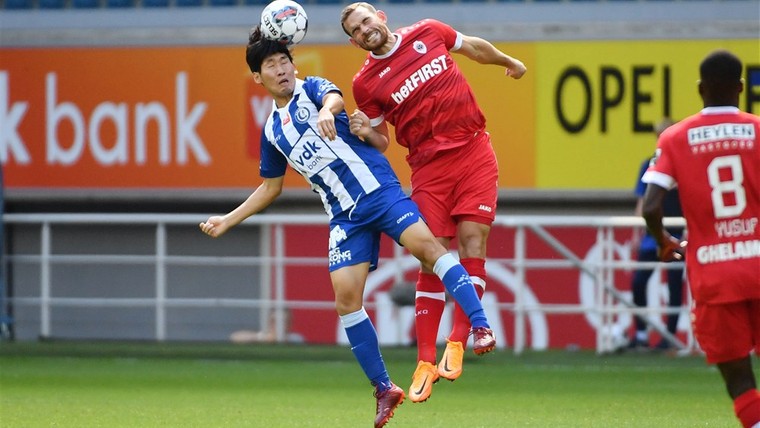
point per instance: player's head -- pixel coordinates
(365, 25)
(272, 65)
(720, 75)
(260, 48)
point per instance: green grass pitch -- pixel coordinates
(104, 384)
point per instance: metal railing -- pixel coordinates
(608, 302)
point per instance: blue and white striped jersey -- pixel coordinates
(342, 170)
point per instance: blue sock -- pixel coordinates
(364, 344)
(459, 285)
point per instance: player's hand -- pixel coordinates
(358, 123)
(326, 124)
(672, 250)
(516, 69)
(215, 226)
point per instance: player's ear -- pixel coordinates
(383, 17)
(257, 77)
(353, 42)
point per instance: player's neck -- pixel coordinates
(387, 46)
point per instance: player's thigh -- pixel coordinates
(472, 235)
(475, 195)
(348, 286)
(435, 204)
(352, 243)
(727, 332)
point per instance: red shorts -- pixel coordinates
(727, 331)
(456, 185)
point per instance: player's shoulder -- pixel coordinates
(361, 74)
(749, 117)
(423, 26)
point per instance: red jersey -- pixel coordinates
(418, 88)
(714, 158)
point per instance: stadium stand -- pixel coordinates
(95, 4)
(18, 4)
(85, 4)
(120, 4)
(52, 4)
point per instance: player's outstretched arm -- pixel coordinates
(261, 198)
(484, 52)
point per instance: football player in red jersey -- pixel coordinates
(410, 80)
(714, 158)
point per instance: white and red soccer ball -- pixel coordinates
(284, 21)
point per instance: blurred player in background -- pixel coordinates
(647, 252)
(411, 81)
(308, 129)
(714, 158)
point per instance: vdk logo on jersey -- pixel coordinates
(306, 154)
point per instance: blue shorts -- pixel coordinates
(355, 234)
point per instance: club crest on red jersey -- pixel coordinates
(420, 47)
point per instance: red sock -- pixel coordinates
(461, 328)
(747, 408)
(427, 317)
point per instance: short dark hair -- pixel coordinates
(260, 48)
(721, 68)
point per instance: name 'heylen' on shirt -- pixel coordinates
(723, 131)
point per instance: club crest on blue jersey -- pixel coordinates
(302, 115)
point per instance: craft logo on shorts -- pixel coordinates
(404, 217)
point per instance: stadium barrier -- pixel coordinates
(554, 281)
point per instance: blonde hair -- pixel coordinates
(348, 10)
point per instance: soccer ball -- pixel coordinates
(284, 21)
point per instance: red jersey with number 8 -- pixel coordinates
(418, 88)
(714, 159)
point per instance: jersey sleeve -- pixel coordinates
(317, 87)
(273, 163)
(452, 39)
(660, 171)
(366, 103)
